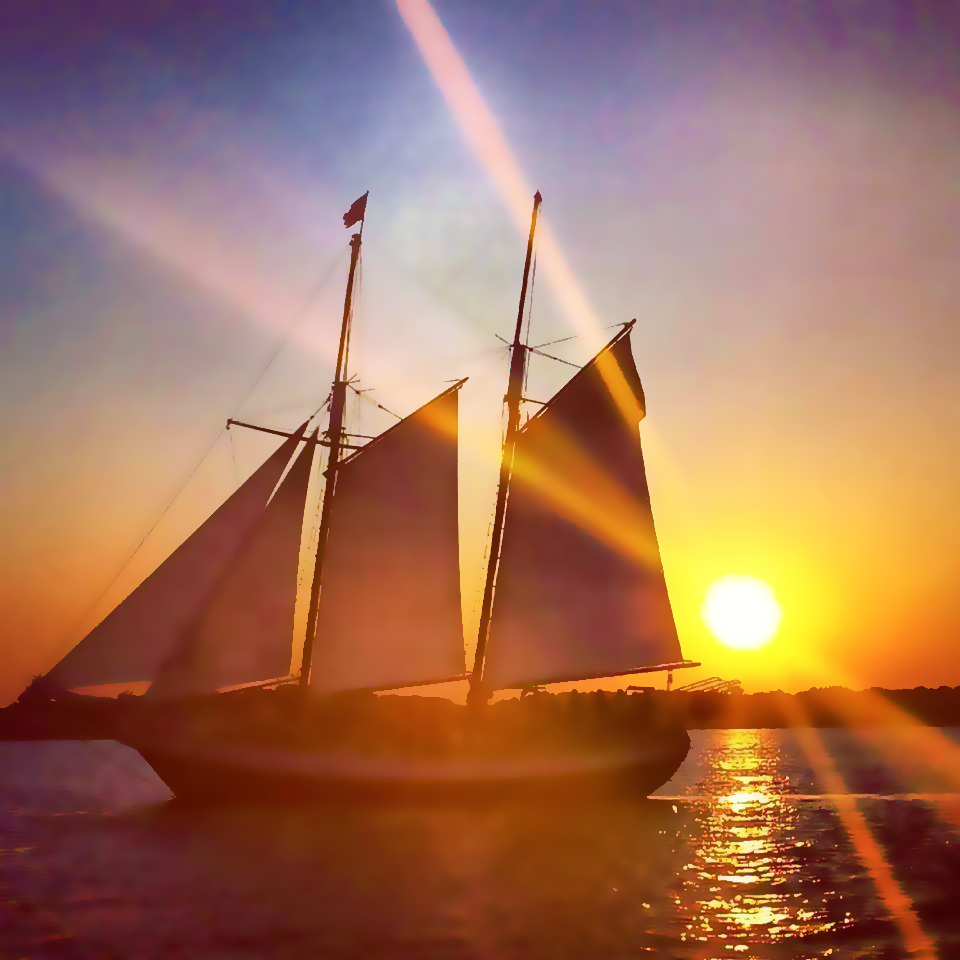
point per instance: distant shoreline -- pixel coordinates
(819, 707)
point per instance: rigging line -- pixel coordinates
(549, 356)
(311, 541)
(436, 293)
(233, 454)
(533, 280)
(436, 362)
(356, 412)
(323, 406)
(576, 336)
(286, 408)
(358, 286)
(136, 549)
(526, 339)
(363, 394)
(298, 318)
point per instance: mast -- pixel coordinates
(518, 359)
(335, 439)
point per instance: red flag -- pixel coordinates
(357, 209)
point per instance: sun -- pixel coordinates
(741, 612)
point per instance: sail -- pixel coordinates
(580, 587)
(245, 631)
(139, 634)
(389, 611)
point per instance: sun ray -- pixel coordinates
(482, 132)
(895, 900)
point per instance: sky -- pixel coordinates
(769, 189)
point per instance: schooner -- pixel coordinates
(574, 591)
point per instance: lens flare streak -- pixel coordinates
(897, 903)
(482, 132)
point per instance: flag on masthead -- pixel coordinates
(357, 209)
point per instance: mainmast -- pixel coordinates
(518, 359)
(334, 436)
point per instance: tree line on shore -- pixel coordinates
(817, 707)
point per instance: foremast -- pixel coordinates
(514, 396)
(334, 437)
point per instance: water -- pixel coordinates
(766, 844)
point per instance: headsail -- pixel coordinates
(137, 636)
(245, 631)
(389, 611)
(580, 587)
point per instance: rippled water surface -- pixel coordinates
(766, 844)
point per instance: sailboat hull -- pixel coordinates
(281, 775)
(411, 746)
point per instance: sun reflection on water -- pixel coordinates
(749, 856)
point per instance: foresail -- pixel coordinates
(245, 631)
(580, 588)
(389, 611)
(137, 636)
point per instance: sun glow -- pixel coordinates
(741, 612)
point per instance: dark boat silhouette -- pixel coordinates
(575, 591)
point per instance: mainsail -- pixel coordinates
(137, 636)
(245, 630)
(580, 587)
(389, 610)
